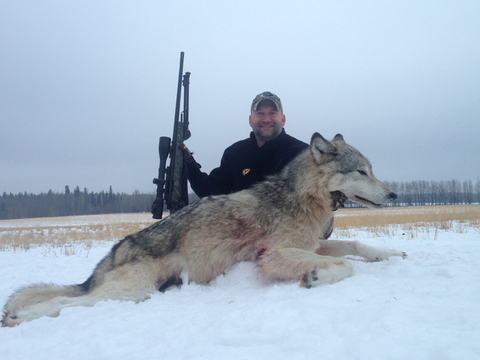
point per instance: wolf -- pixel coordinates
(280, 223)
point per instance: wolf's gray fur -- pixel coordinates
(277, 222)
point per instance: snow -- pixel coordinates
(423, 307)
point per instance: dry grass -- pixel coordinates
(409, 220)
(74, 235)
(69, 233)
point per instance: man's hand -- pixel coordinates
(188, 154)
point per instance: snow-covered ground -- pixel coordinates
(424, 307)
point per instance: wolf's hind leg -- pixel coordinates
(339, 248)
(310, 268)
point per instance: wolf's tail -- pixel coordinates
(36, 294)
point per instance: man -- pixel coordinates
(246, 162)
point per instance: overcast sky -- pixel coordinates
(88, 87)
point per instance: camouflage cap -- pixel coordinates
(267, 95)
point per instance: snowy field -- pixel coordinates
(424, 307)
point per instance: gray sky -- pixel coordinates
(87, 87)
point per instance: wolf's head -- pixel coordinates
(351, 172)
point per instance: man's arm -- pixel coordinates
(219, 181)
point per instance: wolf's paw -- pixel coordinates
(9, 319)
(372, 253)
(315, 278)
(385, 254)
(337, 270)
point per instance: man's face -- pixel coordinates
(267, 123)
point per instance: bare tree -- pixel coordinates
(468, 191)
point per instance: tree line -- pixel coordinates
(76, 202)
(24, 205)
(419, 193)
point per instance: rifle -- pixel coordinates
(172, 185)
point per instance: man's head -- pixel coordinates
(266, 118)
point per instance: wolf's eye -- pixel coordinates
(361, 172)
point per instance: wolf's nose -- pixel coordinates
(392, 196)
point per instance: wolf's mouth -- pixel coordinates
(363, 201)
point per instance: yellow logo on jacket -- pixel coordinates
(245, 171)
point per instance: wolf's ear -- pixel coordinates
(322, 149)
(338, 140)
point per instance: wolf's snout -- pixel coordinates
(392, 196)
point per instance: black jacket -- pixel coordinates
(244, 164)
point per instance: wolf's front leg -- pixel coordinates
(310, 268)
(339, 248)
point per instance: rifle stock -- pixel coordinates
(172, 184)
